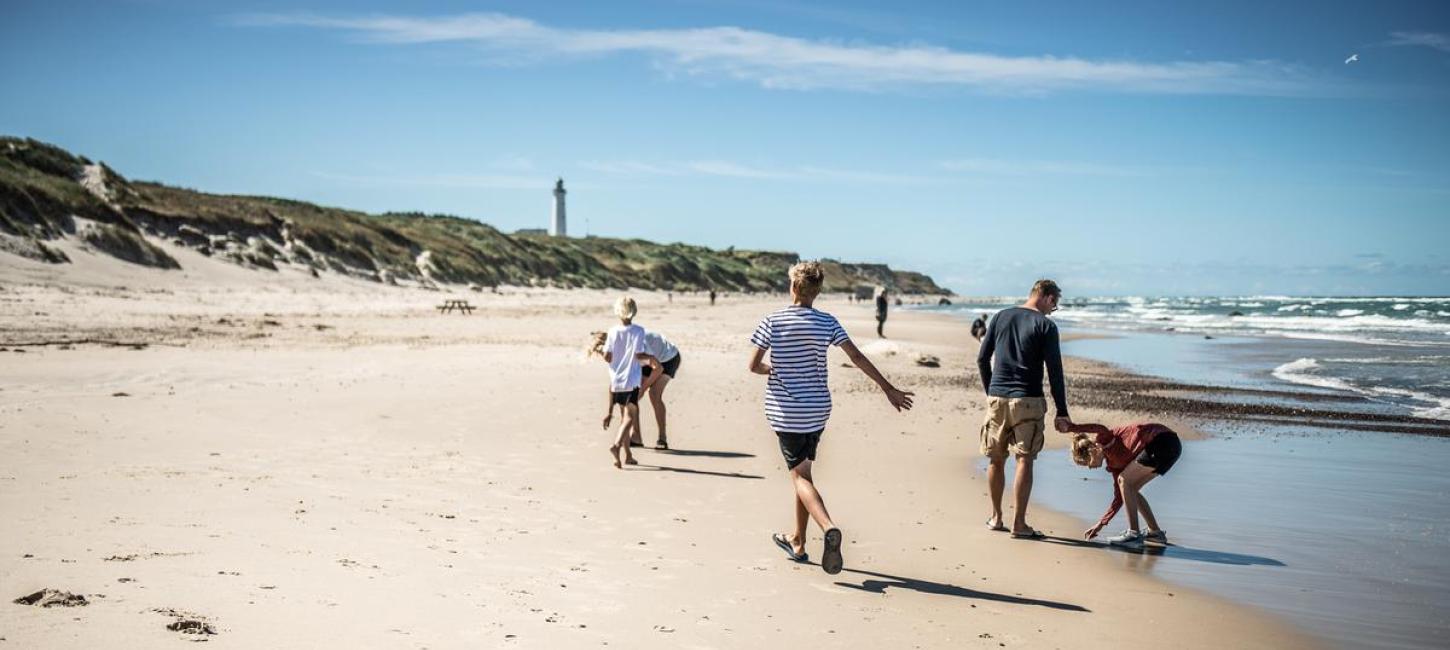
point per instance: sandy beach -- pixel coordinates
(298, 462)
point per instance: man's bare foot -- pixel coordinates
(629, 460)
(614, 456)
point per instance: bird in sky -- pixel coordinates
(1352, 58)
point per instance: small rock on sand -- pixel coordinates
(187, 622)
(53, 598)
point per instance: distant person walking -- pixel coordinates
(1020, 341)
(881, 303)
(712, 297)
(979, 327)
(798, 399)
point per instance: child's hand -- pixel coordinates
(607, 418)
(1092, 532)
(901, 400)
(1063, 425)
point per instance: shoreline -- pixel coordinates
(338, 463)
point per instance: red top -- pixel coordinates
(1120, 447)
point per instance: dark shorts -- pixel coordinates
(670, 367)
(798, 447)
(1162, 453)
(630, 396)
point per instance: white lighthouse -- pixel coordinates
(558, 226)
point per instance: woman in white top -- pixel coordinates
(668, 356)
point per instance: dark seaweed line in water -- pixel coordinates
(1143, 394)
(1107, 387)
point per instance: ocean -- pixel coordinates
(1392, 351)
(1342, 532)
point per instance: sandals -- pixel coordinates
(784, 543)
(1030, 533)
(998, 527)
(831, 559)
(662, 446)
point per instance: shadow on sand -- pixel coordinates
(705, 452)
(1174, 551)
(686, 470)
(937, 588)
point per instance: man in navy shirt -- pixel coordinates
(1020, 342)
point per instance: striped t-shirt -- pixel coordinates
(797, 399)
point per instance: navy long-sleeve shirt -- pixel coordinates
(1019, 343)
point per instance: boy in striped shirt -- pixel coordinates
(798, 399)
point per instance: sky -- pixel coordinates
(1126, 148)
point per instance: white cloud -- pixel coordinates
(1040, 167)
(514, 162)
(737, 170)
(473, 181)
(631, 168)
(1422, 39)
(776, 61)
(729, 169)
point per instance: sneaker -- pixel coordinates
(1127, 538)
(1157, 537)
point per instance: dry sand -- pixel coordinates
(328, 463)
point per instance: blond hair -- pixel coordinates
(1081, 450)
(625, 308)
(806, 278)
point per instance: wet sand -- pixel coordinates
(289, 462)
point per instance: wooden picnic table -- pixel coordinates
(461, 305)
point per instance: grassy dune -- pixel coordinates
(44, 189)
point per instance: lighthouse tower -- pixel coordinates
(558, 227)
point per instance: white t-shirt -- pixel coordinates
(797, 397)
(657, 346)
(622, 343)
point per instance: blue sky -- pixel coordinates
(1122, 148)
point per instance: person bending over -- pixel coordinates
(1134, 454)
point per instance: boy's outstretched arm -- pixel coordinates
(900, 400)
(757, 362)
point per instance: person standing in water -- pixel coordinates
(1020, 342)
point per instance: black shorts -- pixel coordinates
(798, 447)
(1161, 453)
(670, 367)
(630, 396)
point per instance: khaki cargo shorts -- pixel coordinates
(1013, 426)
